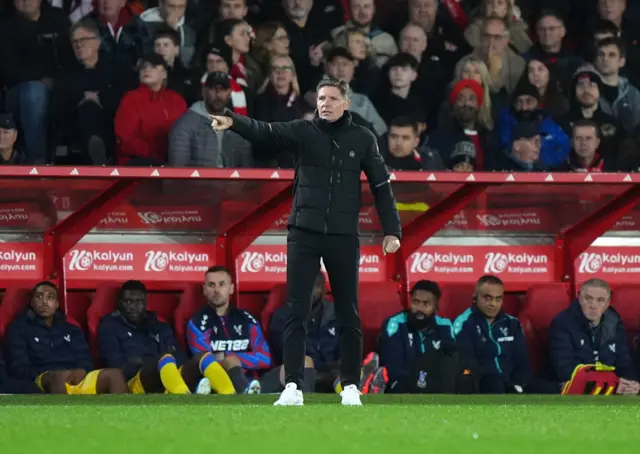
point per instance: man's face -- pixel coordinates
(423, 304)
(151, 75)
(594, 301)
(612, 10)
(587, 93)
(550, 31)
(466, 106)
(240, 38)
(362, 11)
(463, 167)
(110, 8)
(217, 289)
(526, 103)
(297, 9)
(215, 63)
(175, 8)
(85, 44)
(498, 8)
(233, 9)
(166, 48)
(527, 149)
(609, 61)
(423, 13)
(318, 289)
(132, 305)
(331, 104)
(341, 68)
(494, 39)
(27, 7)
(413, 41)
(402, 76)
(44, 301)
(402, 141)
(8, 138)
(216, 98)
(489, 299)
(585, 141)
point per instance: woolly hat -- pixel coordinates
(470, 84)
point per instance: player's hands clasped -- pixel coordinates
(220, 123)
(390, 244)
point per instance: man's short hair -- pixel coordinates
(167, 32)
(598, 283)
(613, 41)
(550, 13)
(494, 18)
(605, 26)
(405, 122)
(132, 285)
(339, 84)
(586, 123)
(489, 279)
(44, 283)
(427, 286)
(218, 269)
(87, 24)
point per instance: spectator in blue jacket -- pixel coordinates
(10, 385)
(525, 107)
(43, 346)
(406, 337)
(591, 331)
(494, 341)
(322, 362)
(144, 348)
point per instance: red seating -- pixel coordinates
(253, 303)
(455, 299)
(377, 302)
(164, 305)
(626, 300)
(542, 303)
(77, 304)
(191, 301)
(276, 298)
(15, 299)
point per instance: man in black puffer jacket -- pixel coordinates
(330, 153)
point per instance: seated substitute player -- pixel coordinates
(408, 336)
(232, 336)
(43, 346)
(494, 341)
(144, 348)
(588, 332)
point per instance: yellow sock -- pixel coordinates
(170, 376)
(218, 377)
(337, 386)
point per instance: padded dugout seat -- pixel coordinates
(191, 301)
(625, 299)
(378, 301)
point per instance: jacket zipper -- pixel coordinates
(497, 346)
(333, 160)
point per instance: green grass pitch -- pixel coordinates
(386, 424)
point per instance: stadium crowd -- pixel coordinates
(482, 351)
(445, 84)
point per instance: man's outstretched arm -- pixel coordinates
(281, 135)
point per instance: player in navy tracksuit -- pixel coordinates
(406, 337)
(495, 342)
(10, 385)
(231, 335)
(44, 347)
(591, 331)
(144, 348)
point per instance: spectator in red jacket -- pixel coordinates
(146, 115)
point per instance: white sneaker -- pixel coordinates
(291, 396)
(351, 396)
(204, 387)
(254, 387)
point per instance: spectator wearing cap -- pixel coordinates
(145, 116)
(88, 96)
(525, 107)
(166, 42)
(524, 153)
(34, 46)
(363, 13)
(170, 13)
(9, 151)
(236, 34)
(397, 97)
(463, 127)
(551, 50)
(366, 78)
(399, 148)
(505, 66)
(218, 59)
(584, 156)
(544, 79)
(192, 140)
(506, 10)
(617, 96)
(584, 102)
(122, 33)
(340, 65)
(463, 157)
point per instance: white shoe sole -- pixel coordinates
(204, 387)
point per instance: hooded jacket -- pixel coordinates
(626, 107)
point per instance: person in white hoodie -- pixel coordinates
(171, 13)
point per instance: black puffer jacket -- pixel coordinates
(329, 159)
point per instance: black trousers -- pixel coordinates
(341, 256)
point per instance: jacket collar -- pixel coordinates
(58, 318)
(335, 126)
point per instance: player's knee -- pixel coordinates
(308, 362)
(113, 381)
(230, 362)
(55, 382)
